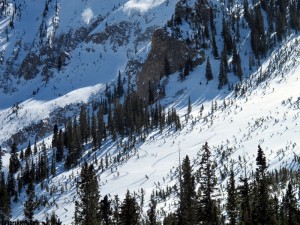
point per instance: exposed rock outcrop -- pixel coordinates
(167, 55)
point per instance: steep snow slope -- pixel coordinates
(97, 39)
(267, 115)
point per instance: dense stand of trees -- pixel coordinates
(249, 200)
(269, 22)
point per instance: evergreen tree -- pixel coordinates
(28, 151)
(150, 94)
(207, 180)
(88, 208)
(223, 79)
(120, 89)
(187, 196)
(106, 210)
(215, 50)
(30, 204)
(5, 208)
(11, 184)
(53, 220)
(83, 125)
(43, 163)
(208, 71)
(292, 214)
(189, 110)
(151, 213)
(262, 213)
(94, 132)
(116, 213)
(34, 148)
(14, 163)
(59, 147)
(55, 136)
(231, 205)
(245, 208)
(130, 212)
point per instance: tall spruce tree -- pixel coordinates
(208, 71)
(223, 79)
(262, 212)
(130, 211)
(106, 211)
(5, 207)
(14, 163)
(231, 205)
(187, 205)
(206, 176)
(120, 89)
(151, 213)
(245, 207)
(88, 210)
(30, 204)
(291, 211)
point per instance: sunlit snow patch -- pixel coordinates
(87, 15)
(142, 5)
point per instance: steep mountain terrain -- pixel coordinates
(58, 57)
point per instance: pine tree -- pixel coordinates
(207, 180)
(208, 71)
(55, 136)
(223, 80)
(215, 50)
(106, 211)
(231, 205)
(5, 207)
(245, 208)
(34, 148)
(262, 212)
(11, 184)
(53, 163)
(60, 147)
(151, 213)
(14, 163)
(189, 110)
(120, 89)
(130, 212)
(43, 166)
(83, 125)
(187, 196)
(94, 132)
(88, 208)
(150, 94)
(53, 220)
(116, 213)
(30, 204)
(28, 150)
(292, 213)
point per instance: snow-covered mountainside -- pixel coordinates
(59, 55)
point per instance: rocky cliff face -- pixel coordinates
(167, 55)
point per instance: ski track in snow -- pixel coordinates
(158, 158)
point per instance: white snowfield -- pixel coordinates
(267, 115)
